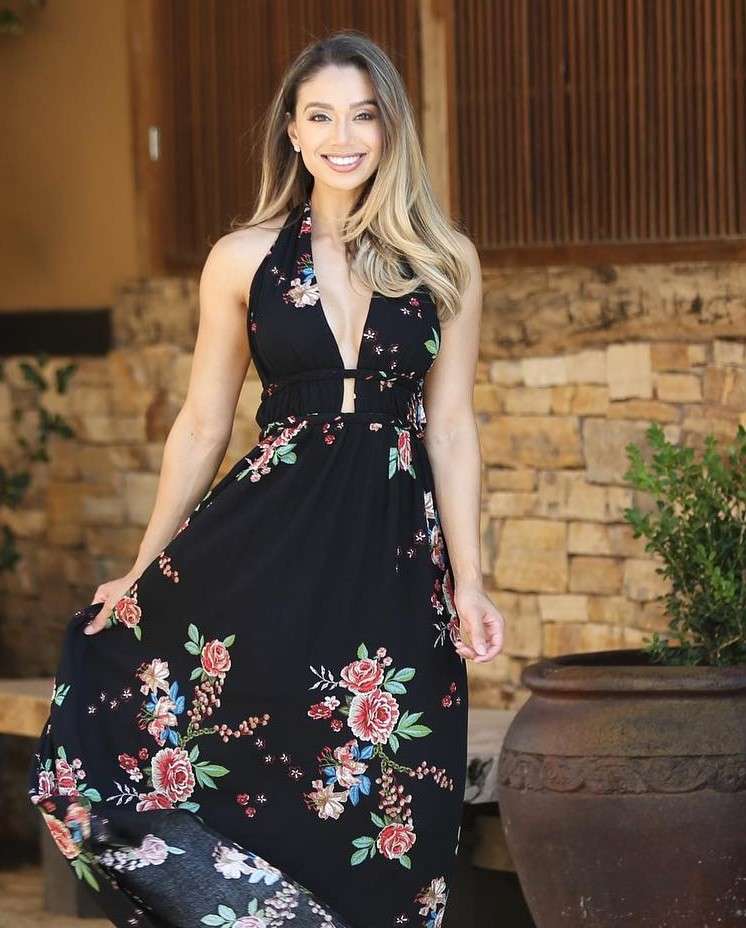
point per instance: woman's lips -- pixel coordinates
(344, 168)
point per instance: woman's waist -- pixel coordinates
(384, 397)
(372, 420)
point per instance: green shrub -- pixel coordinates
(699, 531)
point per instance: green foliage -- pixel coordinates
(14, 484)
(698, 529)
(12, 22)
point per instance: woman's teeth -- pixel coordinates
(347, 162)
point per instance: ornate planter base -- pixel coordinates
(622, 790)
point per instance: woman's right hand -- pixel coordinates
(109, 594)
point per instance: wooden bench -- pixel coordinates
(24, 708)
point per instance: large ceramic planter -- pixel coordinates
(622, 790)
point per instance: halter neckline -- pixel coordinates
(304, 240)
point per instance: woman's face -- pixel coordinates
(336, 114)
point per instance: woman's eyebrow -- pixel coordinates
(328, 106)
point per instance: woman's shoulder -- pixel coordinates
(240, 252)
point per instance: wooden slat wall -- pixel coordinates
(219, 63)
(611, 122)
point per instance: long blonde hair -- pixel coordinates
(396, 236)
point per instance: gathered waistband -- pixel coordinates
(353, 416)
(334, 373)
(391, 397)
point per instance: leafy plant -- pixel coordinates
(15, 483)
(699, 531)
(11, 22)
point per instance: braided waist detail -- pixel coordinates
(399, 397)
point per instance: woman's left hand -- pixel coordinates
(482, 623)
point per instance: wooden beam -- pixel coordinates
(147, 117)
(437, 67)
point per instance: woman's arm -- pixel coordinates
(199, 436)
(452, 442)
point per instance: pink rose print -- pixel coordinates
(215, 658)
(62, 837)
(375, 717)
(400, 455)
(66, 779)
(150, 802)
(395, 840)
(46, 784)
(362, 676)
(127, 612)
(173, 774)
(153, 850)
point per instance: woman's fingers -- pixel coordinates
(100, 621)
(485, 632)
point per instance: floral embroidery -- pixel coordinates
(59, 691)
(151, 851)
(65, 781)
(231, 863)
(274, 449)
(111, 702)
(374, 716)
(166, 568)
(433, 898)
(303, 290)
(451, 698)
(173, 773)
(326, 429)
(442, 600)
(127, 612)
(433, 344)
(276, 909)
(400, 454)
(249, 809)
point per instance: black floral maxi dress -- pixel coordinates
(272, 727)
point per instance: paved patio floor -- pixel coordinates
(21, 907)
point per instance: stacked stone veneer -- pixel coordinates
(575, 363)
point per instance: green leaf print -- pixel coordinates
(407, 729)
(84, 872)
(394, 680)
(204, 773)
(60, 692)
(433, 344)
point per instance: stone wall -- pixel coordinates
(576, 362)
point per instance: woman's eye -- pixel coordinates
(366, 114)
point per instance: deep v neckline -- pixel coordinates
(307, 229)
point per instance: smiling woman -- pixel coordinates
(265, 721)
